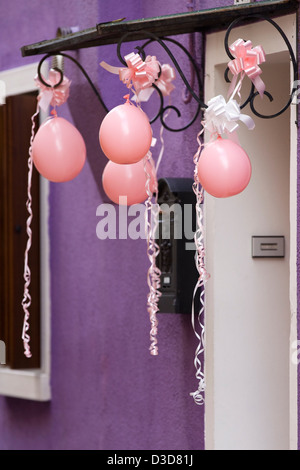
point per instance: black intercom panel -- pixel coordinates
(176, 260)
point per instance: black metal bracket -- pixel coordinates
(162, 26)
(253, 94)
(84, 72)
(196, 95)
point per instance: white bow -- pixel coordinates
(222, 117)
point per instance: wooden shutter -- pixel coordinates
(15, 131)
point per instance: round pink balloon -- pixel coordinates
(128, 180)
(125, 134)
(58, 150)
(224, 168)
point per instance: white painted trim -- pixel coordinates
(30, 385)
(215, 57)
(16, 85)
(293, 260)
(33, 384)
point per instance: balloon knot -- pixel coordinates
(126, 97)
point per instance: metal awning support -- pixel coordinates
(162, 26)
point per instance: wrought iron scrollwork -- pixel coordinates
(253, 94)
(84, 72)
(163, 109)
(197, 96)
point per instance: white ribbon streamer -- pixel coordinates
(26, 302)
(153, 275)
(199, 394)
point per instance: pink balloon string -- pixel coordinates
(199, 394)
(153, 275)
(26, 302)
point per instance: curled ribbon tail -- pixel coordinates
(259, 85)
(248, 121)
(110, 68)
(45, 98)
(199, 394)
(143, 95)
(26, 302)
(232, 85)
(153, 276)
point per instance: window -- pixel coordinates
(21, 377)
(15, 129)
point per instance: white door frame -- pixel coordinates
(215, 57)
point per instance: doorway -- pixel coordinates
(250, 303)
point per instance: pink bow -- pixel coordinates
(50, 95)
(141, 74)
(247, 59)
(164, 83)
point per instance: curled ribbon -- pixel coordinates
(50, 95)
(199, 394)
(247, 60)
(222, 117)
(26, 302)
(153, 275)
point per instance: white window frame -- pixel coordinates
(33, 384)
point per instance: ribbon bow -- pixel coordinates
(164, 83)
(142, 74)
(247, 60)
(54, 96)
(138, 73)
(222, 117)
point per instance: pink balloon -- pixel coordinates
(125, 134)
(224, 168)
(128, 180)
(58, 150)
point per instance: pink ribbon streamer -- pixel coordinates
(53, 96)
(247, 61)
(153, 275)
(164, 83)
(26, 302)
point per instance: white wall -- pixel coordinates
(247, 302)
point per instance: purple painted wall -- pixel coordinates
(108, 392)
